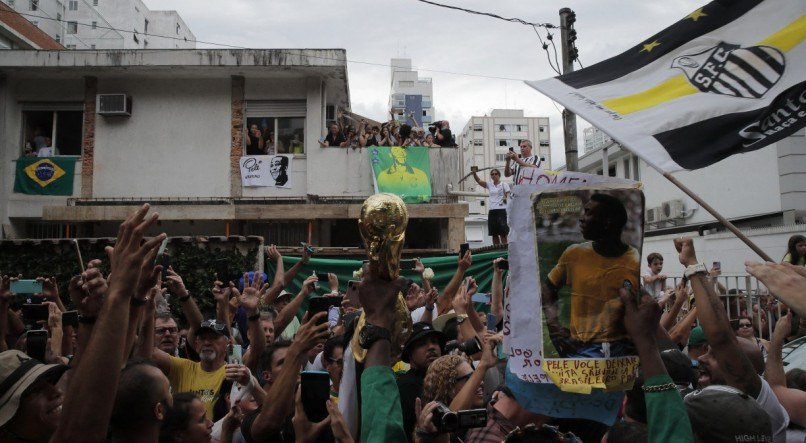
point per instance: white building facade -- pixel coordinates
(410, 94)
(762, 192)
(181, 144)
(107, 24)
(484, 142)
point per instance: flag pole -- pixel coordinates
(731, 227)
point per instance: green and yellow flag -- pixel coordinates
(403, 171)
(45, 176)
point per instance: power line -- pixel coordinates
(545, 48)
(488, 14)
(289, 51)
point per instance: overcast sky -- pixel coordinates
(437, 39)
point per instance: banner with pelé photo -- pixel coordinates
(403, 171)
(45, 175)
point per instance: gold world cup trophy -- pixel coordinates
(382, 224)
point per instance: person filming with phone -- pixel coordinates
(497, 216)
(523, 161)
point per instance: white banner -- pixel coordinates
(266, 170)
(523, 324)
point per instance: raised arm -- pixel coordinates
(793, 400)
(281, 394)
(250, 300)
(87, 293)
(289, 275)
(478, 179)
(786, 281)
(290, 310)
(497, 291)
(738, 370)
(668, 319)
(444, 302)
(189, 307)
(95, 379)
(464, 399)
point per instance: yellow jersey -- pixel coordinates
(188, 376)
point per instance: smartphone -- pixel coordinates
(322, 276)
(717, 266)
(503, 265)
(511, 149)
(31, 313)
(78, 254)
(166, 263)
(307, 247)
(70, 318)
(315, 392)
(474, 169)
(333, 315)
(492, 322)
(463, 248)
(35, 344)
(499, 350)
(323, 304)
(26, 287)
(222, 271)
(481, 297)
(160, 251)
(235, 354)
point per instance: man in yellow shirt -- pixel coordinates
(595, 270)
(204, 377)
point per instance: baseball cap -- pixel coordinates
(721, 413)
(18, 371)
(418, 331)
(697, 337)
(283, 294)
(214, 326)
(678, 365)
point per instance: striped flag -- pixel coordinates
(728, 78)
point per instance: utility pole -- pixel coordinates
(569, 53)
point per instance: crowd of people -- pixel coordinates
(347, 132)
(127, 370)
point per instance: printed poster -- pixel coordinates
(569, 378)
(266, 170)
(403, 171)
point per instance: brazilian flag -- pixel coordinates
(45, 176)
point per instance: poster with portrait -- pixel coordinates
(403, 171)
(266, 170)
(544, 220)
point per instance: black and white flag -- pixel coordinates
(728, 78)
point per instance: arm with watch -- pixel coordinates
(87, 293)
(739, 372)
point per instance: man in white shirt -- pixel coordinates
(523, 162)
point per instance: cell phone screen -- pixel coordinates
(35, 344)
(503, 264)
(235, 355)
(315, 387)
(463, 248)
(492, 322)
(323, 304)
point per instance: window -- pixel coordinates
(279, 135)
(71, 46)
(477, 128)
(33, 5)
(477, 143)
(405, 83)
(145, 27)
(177, 28)
(59, 39)
(425, 113)
(611, 171)
(542, 129)
(92, 46)
(58, 17)
(500, 158)
(502, 127)
(502, 142)
(626, 168)
(94, 25)
(72, 5)
(60, 129)
(39, 229)
(636, 171)
(544, 142)
(519, 128)
(72, 27)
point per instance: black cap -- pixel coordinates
(419, 331)
(678, 365)
(725, 414)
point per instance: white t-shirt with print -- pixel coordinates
(655, 289)
(778, 415)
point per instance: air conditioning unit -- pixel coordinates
(673, 209)
(653, 215)
(113, 105)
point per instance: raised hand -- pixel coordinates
(333, 281)
(127, 256)
(5, 288)
(418, 266)
(640, 320)
(425, 416)
(54, 316)
(273, 254)
(466, 261)
(237, 373)
(310, 333)
(250, 296)
(304, 430)
(378, 298)
(50, 290)
(87, 291)
(306, 285)
(175, 283)
(685, 247)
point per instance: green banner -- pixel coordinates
(45, 176)
(443, 267)
(403, 171)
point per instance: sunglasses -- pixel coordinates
(220, 327)
(745, 325)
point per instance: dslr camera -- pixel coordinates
(469, 347)
(447, 421)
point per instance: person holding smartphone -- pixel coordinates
(497, 216)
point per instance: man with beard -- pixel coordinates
(204, 377)
(424, 345)
(595, 270)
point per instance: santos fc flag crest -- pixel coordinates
(45, 176)
(728, 78)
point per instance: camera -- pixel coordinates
(469, 347)
(446, 420)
